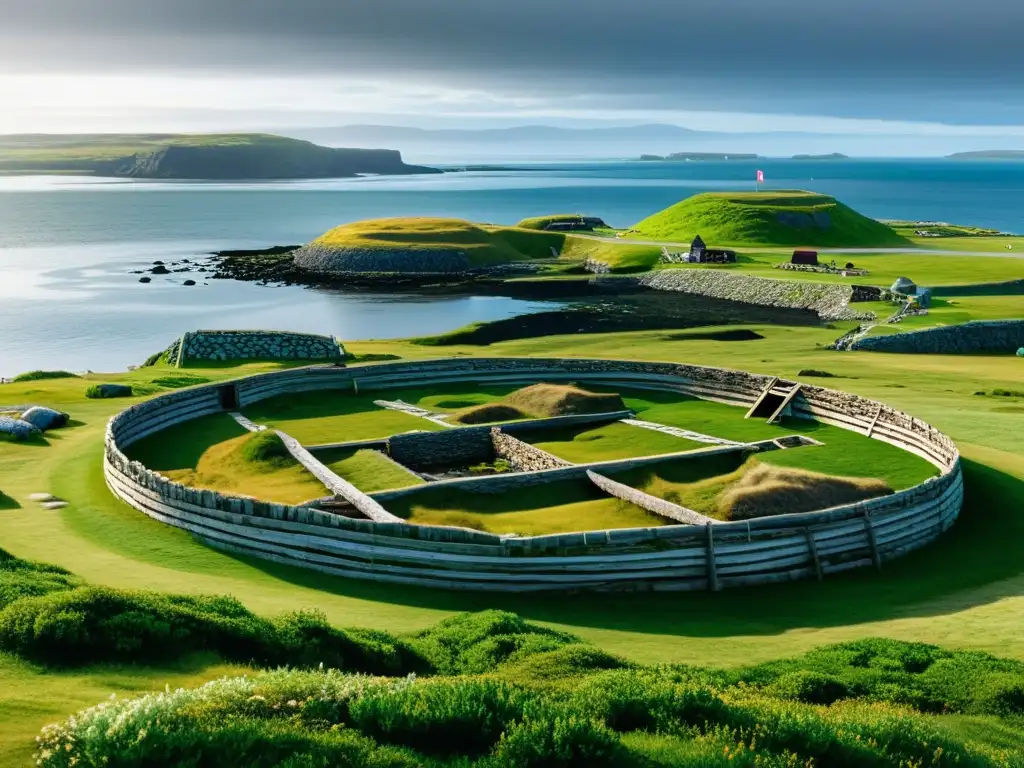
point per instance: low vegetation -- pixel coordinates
(490, 689)
(764, 490)
(43, 376)
(541, 401)
(368, 470)
(793, 218)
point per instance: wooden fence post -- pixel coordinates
(712, 567)
(869, 528)
(812, 546)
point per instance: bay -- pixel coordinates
(68, 246)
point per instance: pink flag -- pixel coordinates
(760, 177)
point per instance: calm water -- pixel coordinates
(67, 246)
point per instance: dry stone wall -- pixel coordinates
(253, 345)
(522, 456)
(648, 502)
(672, 557)
(993, 337)
(830, 301)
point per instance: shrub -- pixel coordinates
(481, 641)
(816, 373)
(21, 578)
(568, 662)
(94, 624)
(810, 688)
(1001, 695)
(43, 375)
(464, 717)
(104, 391)
(560, 741)
(177, 382)
(265, 447)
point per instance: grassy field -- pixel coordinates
(581, 445)
(883, 268)
(367, 470)
(967, 590)
(795, 218)
(561, 507)
(337, 416)
(621, 255)
(961, 309)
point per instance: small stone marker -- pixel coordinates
(41, 497)
(53, 505)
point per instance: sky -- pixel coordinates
(948, 71)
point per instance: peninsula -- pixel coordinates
(209, 157)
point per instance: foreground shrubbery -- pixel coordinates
(328, 718)
(493, 690)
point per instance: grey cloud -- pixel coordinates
(782, 55)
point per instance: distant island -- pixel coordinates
(989, 154)
(700, 156)
(831, 156)
(200, 157)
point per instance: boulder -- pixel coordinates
(45, 418)
(1020, 352)
(17, 428)
(145, 279)
(189, 282)
(103, 391)
(160, 269)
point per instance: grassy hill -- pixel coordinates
(423, 245)
(789, 218)
(235, 156)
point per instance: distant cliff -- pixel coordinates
(989, 154)
(214, 157)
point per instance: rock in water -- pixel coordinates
(145, 279)
(17, 428)
(45, 418)
(189, 282)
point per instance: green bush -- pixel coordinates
(810, 687)
(448, 717)
(21, 578)
(177, 382)
(95, 624)
(265, 447)
(105, 391)
(43, 375)
(477, 642)
(560, 741)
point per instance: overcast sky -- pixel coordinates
(838, 66)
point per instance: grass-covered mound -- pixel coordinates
(423, 245)
(254, 464)
(728, 488)
(540, 401)
(543, 222)
(43, 376)
(787, 218)
(764, 490)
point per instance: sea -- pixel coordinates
(70, 248)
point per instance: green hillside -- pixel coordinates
(232, 156)
(423, 245)
(785, 217)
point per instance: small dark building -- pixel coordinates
(806, 258)
(701, 254)
(583, 223)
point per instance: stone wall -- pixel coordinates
(424, 451)
(648, 502)
(830, 301)
(672, 557)
(992, 336)
(253, 345)
(326, 259)
(522, 456)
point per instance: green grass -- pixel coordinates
(767, 218)
(966, 590)
(335, 416)
(367, 470)
(961, 309)
(622, 256)
(483, 245)
(559, 507)
(929, 270)
(585, 444)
